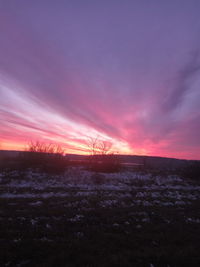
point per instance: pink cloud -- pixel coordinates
(131, 78)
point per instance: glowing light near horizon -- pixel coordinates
(65, 132)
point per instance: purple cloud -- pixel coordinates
(127, 71)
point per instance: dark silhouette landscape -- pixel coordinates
(98, 210)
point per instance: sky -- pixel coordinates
(127, 72)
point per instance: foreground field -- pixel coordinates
(86, 219)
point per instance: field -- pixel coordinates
(83, 218)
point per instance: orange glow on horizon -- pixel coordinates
(82, 149)
(69, 148)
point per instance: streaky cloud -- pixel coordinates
(127, 72)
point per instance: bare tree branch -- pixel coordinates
(42, 147)
(99, 147)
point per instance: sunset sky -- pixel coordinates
(124, 71)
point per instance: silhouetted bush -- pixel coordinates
(48, 158)
(45, 162)
(102, 159)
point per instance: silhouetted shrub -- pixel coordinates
(48, 158)
(45, 162)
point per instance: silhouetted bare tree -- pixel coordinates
(99, 147)
(102, 159)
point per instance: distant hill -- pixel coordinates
(147, 161)
(9, 153)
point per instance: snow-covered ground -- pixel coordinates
(116, 189)
(44, 210)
